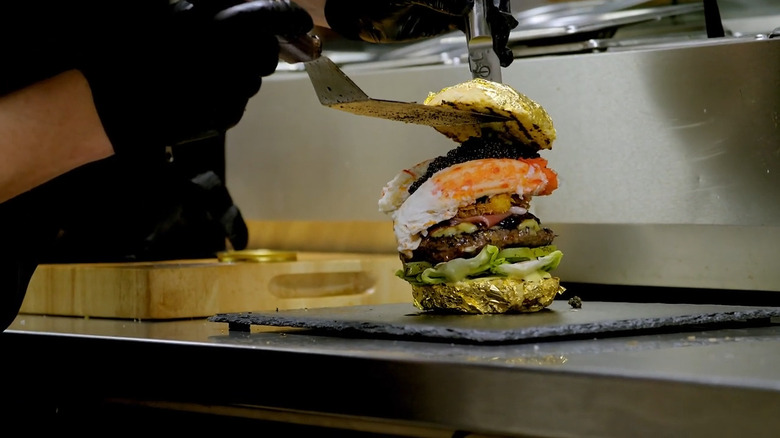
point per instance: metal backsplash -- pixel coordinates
(668, 156)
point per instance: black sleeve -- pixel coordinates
(167, 212)
(42, 38)
(36, 40)
(15, 275)
(27, 231)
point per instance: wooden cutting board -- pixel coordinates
(200, 288)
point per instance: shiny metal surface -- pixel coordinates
(704, 383)
(580, 27)
(483, 60)
(544, 15)
(668, 158)
(303, 48)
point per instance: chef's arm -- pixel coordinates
(159, 80)
(46, 130)
(315, 8)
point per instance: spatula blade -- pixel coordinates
(336, 90)
(331, 84)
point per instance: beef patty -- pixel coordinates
(465, 245)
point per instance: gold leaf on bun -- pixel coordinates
(529, 122)
(488, 295)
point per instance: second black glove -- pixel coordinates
(177, 73)
(400, 21)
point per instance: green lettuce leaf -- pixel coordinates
(487, 263)
(524, 269)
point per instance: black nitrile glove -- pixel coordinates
(501, 23)
(185, 72)
(156, 213)
(392, 21)
(396, 21)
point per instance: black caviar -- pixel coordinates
(475, 148)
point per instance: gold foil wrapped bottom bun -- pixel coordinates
(487, 295)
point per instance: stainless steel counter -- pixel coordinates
(722, 382)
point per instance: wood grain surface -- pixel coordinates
(199, 288)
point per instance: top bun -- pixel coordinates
(529, 123)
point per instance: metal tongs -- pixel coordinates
(483, 60)
(336, 90)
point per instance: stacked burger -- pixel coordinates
(466, 238)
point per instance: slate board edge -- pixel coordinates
(242, 321)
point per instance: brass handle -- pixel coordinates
(301, 48)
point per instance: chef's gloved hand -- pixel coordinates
(158, 213)
(501, 23)
(388, 21)
(186, 71)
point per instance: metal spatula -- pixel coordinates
(336, 90)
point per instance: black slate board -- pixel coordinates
(559, 320)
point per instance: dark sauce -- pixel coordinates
(513, 221)
(475, 148)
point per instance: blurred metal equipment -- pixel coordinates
(483, 60)
(568, 27)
